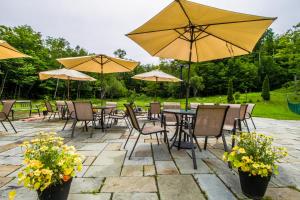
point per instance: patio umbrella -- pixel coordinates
(65, 74)
(156, 76)
(7, 51)
(194, 32)
(99, 64)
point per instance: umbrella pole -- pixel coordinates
(189, 69)
(68, 89)
(155, 90)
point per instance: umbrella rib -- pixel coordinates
(184, 11)
(227, 41)
(119, 64)
(213, 24)
(80, 63)
(168, 43)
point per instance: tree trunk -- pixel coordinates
(3, 84)
(55, 92)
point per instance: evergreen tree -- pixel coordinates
(230, 98)
(265, 94)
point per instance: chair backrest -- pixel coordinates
(232, 114)
(243, 111)
(194, 106)
(71, 109)
(24, 103)
(84, 111)
(60, 105)
(210, 120)
(110, 110)
(7, 105)
(208, 104)
(130, 112)
(250, 108)
(171, 105)
(155, 108)
(48, 106)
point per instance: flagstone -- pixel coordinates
(185, 166)
(232, 182)
(135, 196)
(161, 153)
(89, 160)
(97, 196)
(4, 180)
(132, 170)
(8, 169)
(178, 187)
(89, 153)
(16, 160)
(142, 150)
(86, 185)
(282, 194)
(129, 184)
(213, 187)
(149, 170)
(103, 171)
(166, 168)
(110, 158)
(139, 161)
(93, 146)
(82, 172)
(113, 147)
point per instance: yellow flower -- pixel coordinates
(12, 194)
(242, 150)
(68, 171)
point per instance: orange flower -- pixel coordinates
(66, 178)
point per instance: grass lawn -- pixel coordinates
(277, 108)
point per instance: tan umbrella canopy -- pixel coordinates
(99, 64)
(193, 32)
(7, 51)
(65, 74)
(156, 76)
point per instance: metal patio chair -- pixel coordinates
(83, 113)
(71, 115)
(209, 122)
(248, 115)
(145, 130)
(50, 110)
(4, 114)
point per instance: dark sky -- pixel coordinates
(100, 25)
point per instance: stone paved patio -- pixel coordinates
(152, 173)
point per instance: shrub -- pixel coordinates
(265, 94)
(230, 98)
(237, 96)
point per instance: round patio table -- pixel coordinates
(181, 144)
(102, 109)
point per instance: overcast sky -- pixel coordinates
(100, 25)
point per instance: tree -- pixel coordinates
(197, 84)
(120, 53)
(230, 98)
(266, 89)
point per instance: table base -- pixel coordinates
(184, 145)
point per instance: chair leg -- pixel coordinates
(205, 143)
(55, 115)
(224, 142)
(253, 122)
(134, 145)
(246, 124)
(73, 129)
(197, 142)
(65, 124)
(233, 138)
(50, 116)
(128, 137)
(167, 141)
(193, 154)
(11, 125)
(157, 138)
(92, 131)
(4, 126)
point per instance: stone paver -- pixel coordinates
(86, 185)
(152, 173)
(129, 184)
(7, 169)
(132, 170)
(178, 187)
(149, 170)
(98, 196)
(213, 187)
(135, 196)
(166, 168)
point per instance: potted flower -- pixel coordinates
(49, 166)
(255, 157)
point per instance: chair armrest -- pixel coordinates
(147, 122)
(3, 114)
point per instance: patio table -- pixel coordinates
(181, 144)
(102, 109)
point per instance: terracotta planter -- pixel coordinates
(253, 187)
(56, 192)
